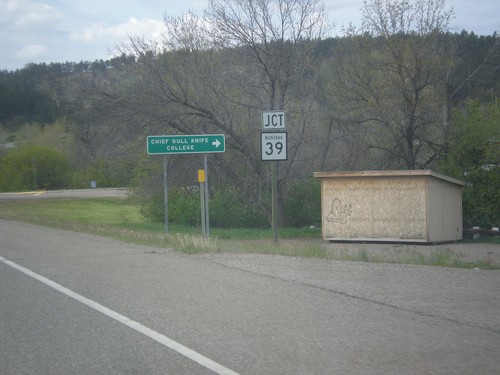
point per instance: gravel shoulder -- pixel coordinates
(456, 254)
(469, 297)
(476, 253)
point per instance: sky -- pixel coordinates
(37, 31)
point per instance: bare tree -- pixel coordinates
(389, 84)
(275, 36)
(216, 73)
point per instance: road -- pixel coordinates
(82, 304)
(77, 193)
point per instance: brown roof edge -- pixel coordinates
(390, 173)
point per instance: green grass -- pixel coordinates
(63, 211)
(121, 219)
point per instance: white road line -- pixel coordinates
(158, 337)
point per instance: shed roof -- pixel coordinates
(391, 173)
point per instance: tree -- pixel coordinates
(218, 72)
(389, 80)
(33, 167)
(21, 100)
(472, 73)
(474, 156)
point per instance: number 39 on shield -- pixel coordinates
(273, 146)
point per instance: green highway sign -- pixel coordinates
(186, 144)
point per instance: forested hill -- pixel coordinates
(423, 100)
(39, 92)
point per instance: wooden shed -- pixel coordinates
(391, 206)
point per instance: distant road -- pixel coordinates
(79, 193)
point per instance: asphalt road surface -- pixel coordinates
(77, 193)
(73, 303)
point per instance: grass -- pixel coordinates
(121, 219)
(66, 211)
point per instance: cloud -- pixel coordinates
(31, 52)
(149, 28)
(25, 14)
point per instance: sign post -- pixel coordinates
(186, 144)
(207, 215)
(201, 180)
(273, 147)
(165, 194)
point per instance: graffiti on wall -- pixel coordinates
(339, 212)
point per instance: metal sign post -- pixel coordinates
(207, 215)
(274, 199)
(201, 180)
(165, 193)
(273, 147)
(187, 144)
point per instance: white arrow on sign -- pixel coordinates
(216, 143)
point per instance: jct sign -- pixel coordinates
(273, 120)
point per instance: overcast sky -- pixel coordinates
(74, 30)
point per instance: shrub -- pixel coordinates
(302, 203)
(474, 157)
(226, 209)
(183, 207)
(229, 210)
(33, 167)
(105, 173)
